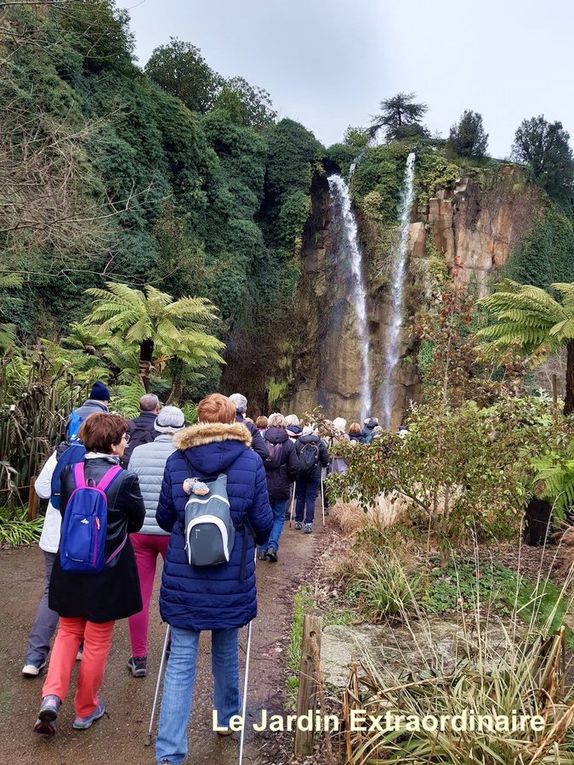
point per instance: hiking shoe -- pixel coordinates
(45, 725)
(137, 665)
(262, 555)
(82, 723)
(308, 528)
(298, 525)
(272, 555)
(33, 670)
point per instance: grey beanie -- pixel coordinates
(239, 402)
(169, 420)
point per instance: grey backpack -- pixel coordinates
(209, 529)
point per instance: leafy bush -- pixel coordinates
(464, 471)
(16, 529)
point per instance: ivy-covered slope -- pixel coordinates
(132, 186)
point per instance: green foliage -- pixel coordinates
(555, 479)
(400, 117)
(544, 148)
(16, 530)
(545, 255)
(162, 329)
(99, 32)
(467, 138)
(180, 69)
(356, 138)
(302, 602)
(464, 472)
(384, 587)
(292, 153)
(246, 104)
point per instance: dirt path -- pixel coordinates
(119, 737)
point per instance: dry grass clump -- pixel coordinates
(351, 518)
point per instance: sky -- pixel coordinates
(329, 63)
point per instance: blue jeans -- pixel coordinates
(306, 490)
(178, 685)
(279, 506)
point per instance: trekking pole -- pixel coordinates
(322, 499)
(149, 736)
(244, 703)
(292, 505)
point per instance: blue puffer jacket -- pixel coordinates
(214, 597)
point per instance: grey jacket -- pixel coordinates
(148, 463)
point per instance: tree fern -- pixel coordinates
(158, 326)
(529, 319)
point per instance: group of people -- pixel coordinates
(143, 467)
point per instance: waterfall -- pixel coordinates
(341, 201)
(397, 283)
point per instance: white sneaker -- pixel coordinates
(31, 670)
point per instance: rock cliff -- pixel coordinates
(474, 224)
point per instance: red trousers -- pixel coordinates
(97, 643)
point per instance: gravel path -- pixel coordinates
(119, 737)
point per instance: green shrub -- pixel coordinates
(16, 530)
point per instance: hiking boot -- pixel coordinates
(137, 665)
(272, 555)
(262, 555)
(83, 723)
(298, 525)
(33, 670)
(45, 725)
(308, 528)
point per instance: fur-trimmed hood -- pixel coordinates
(211, 432)
(212, 448)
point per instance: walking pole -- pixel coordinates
(244, 703)
(322, 499)
(149, 736)
(292, 505)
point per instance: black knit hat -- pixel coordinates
(99, 392)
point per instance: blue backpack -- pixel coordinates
(85, 523)
(70, 454)
(73, 426)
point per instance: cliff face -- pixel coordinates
(476, 228)
(473, 224)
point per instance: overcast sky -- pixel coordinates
(328, 63)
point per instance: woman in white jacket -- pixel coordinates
(46, 620)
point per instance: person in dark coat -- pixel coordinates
(308, 483)
(257, 443)
(355, 433)
(368, 427)
(141, 429)
(89, 603)
(281, 470)
(218, 598)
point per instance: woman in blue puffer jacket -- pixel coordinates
(217, 598)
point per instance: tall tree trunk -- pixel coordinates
(146, 358)
(569, 397)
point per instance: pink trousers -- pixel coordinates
(147, 547)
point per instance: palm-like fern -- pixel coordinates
(556, 473)
(158, 326)
(529, 319)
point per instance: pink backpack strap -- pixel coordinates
(108, 477)
(79, 475)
